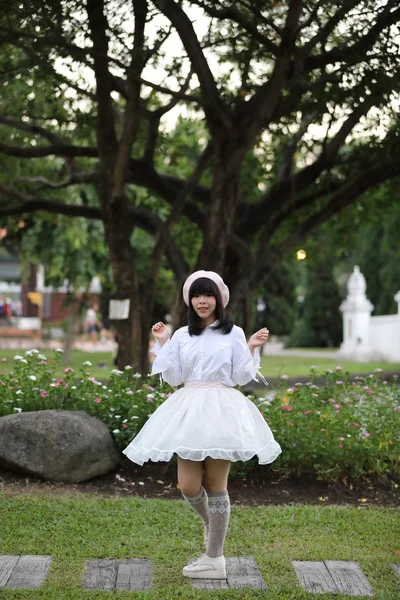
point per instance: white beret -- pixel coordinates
(217, 279)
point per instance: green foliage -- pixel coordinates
(345, 427)
(348, 426)
(124, 402)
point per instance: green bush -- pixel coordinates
(345, 427)
(124, 402)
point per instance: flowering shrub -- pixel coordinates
(346, 426)
(123, 403)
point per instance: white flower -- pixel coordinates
(134, 405)
(18, 409)
(73, 387)
(32, 377)
(87, 363)
(18, 357)
(134, 417)
(117, 416)
(19, 392)
(115, 430)
(140, 482)
(33, 351)
(104, 387)
(41, 357)
(125, 420)
(116, 372)
(136, 375)
(59, 350)
(128, 368)
(129, 392)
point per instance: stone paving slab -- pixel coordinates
(396, 569)
(241, 572)
(133, 574)
(25, 571)
(341, 576)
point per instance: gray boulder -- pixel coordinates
(57, 445)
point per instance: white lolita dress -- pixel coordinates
(207, 416)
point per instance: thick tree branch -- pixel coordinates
(130, 125)
(30, 128)
(210, 97)
(339, 200)
(237, 16)
(28, 204)
(285, 192)
(353, 53)
(106, 136)
(257, 112)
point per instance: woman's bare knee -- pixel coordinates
(190, 476)
(216, 474)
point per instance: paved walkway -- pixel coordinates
(135, 574)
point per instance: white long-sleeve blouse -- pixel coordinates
(211, 356)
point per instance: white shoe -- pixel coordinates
(206, 531)
(206, 567)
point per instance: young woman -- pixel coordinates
(207, 422)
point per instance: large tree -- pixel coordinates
(91, 82)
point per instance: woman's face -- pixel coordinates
(204, 306)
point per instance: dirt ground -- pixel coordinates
(261, 487)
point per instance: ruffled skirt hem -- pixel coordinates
(266, 455)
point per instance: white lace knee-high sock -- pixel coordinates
(219, 510)
(200, 504)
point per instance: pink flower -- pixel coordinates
(283, 377)
(124, 425)
(340, 445)
(315, 395)
(43, 393)
(290, 424)
(68, 369)
(298, 384)
(341, 439)
(286, 407)
(336, 405)
(307, 411)
(323, 429)
(339, 382)
(66, 387)
(3, 360)
(98, 400)
(353, 383)
(371, 392)
(338, 368)
(378, 371)
(356, 424)
(92, 379)
(366, 434)
(294, 389)
(149, 399)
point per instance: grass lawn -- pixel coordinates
(75, 528)
(272, 366)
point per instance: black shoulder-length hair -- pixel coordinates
(203, 285)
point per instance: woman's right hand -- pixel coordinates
(160, 332)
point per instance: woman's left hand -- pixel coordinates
(258, 338)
